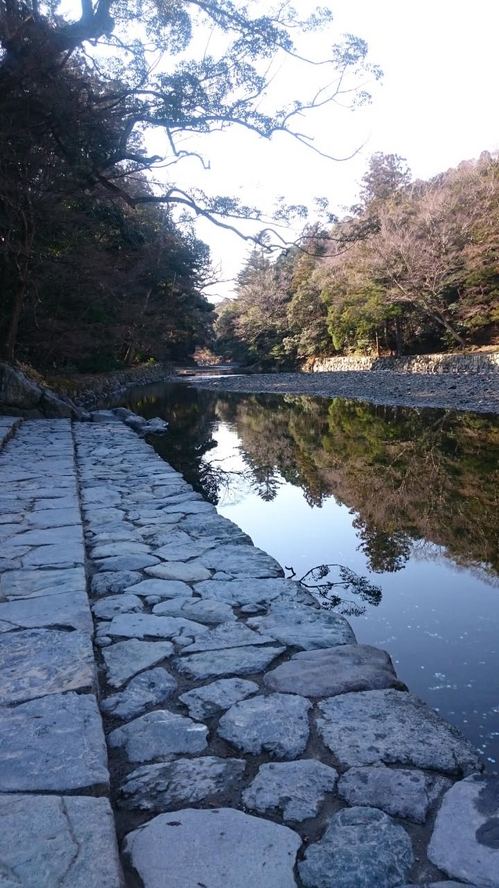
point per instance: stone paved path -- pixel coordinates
(250, 740)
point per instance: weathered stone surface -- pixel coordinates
(126, 658)
(246, 591)
(183, 551)
(277, 724)
(361, 848)
(54, 744)
(177, 570)
(296, 788)
(399, 792)
(61, 555)
(142, 625)
(213, 698)
(246, 561)
(113, 583)
(395, 728)
(57, 517)
(202, 610)
(249, 851)
(161, 588)
(53, 536)
(35, 662)
(230, 661)
(325, 673)
(110, 607)
(122, 547)
(465, 841)
(69, 609)
(67, 841)
(304, 627)
(126, 562)
(182, 782)
(148, 688)
(158, 734)
(228, 635)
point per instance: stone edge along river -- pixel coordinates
(175, 713)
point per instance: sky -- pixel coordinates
(436, 105)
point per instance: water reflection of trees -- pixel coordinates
(409, 476)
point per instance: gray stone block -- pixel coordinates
(142, 625)
(68, 609)
(304, 627)
(361, 848)
(146, 689)
(110, 607)
(249, 851)
(54, 744)
(277, 724)
(191, 572)
(126, 658)
(228, 635)
(161, 588)
(202, 610)
(246, 561)
(158, 734)
(216, 697)
(399, 792)
(36, 662)
(465, 840)
(126, 562)
(337, 670)
(393, 727)
(63, 841)
(243, 591)
(230, 661)
(165, 786)
(295, 788)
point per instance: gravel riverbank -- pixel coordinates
(477, 392)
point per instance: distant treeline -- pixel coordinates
(413, 267)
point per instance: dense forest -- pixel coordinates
(413, 267)
(99, 265)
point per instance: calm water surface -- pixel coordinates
(406, 498)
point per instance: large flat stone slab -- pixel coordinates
(113, 583)
(237, 560)
(202, 610)
(277, 724)
(216, 697)
(230, 661)
(400, 792)
(147, 689)
(465, 840)
(54, 744)
(68, 609)
(32, 583)
(243, 592)
(249, 851)
(36, 662)
(158, 734)
(338, 670)
(395, 728)
(60, 555)
(113, 605)
(361, 848)
(169, 785)
(63, 841)
(126, 658)
(306, 628)
(297, 789)
(228, 635)
(152, 626)
(126, 562)
(190, 572)
(161, 589)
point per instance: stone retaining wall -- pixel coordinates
(251, 741)
(91, 389)
(485, 362)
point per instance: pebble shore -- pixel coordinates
(175, 713)
(475, 392)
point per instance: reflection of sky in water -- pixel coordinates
(439, 622)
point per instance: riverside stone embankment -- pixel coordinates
(228, 730)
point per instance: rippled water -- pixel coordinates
(406, 498)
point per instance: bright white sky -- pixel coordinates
(437, 105)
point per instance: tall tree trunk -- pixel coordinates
(13, 328)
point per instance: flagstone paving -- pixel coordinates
(244, 738)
